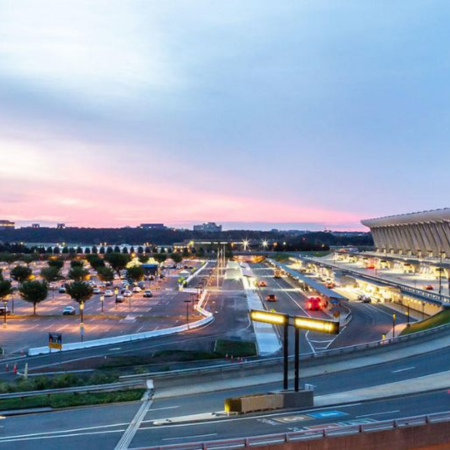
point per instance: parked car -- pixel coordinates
(109, 293)
(62, 290)
(148, 293)
(68, 311)
(428, 287)
(271, 298)
(141, 284)
(137, 289)
(364, 298)
(108, 283)
(4, 309)
(97, 291)
(120, 299)
(127, 293)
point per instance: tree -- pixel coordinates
(81, 293)
(87, 251)
(105, 273)
(118, 261)
(78, 274)
(34, 292)
(5, 289)
(160, 257)
(135, 273)
(125, 250)
(50, 274)
(58, 263)
(140, 250)
(76, 263)
(177, 258)
(65, 250)
(27, 259)
(116, 249)
(102, 250)
(95, 261)
(79, 250)
(21, 273)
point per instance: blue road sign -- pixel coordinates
(327, 414)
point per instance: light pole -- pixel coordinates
(5, 303)
(82, 321)
(187, 312)
(116, 292)
(102, 300)
(408, 313)
(393, 326)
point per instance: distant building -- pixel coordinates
(35, 225)
(60, 226)
(7, 225)
(209, 227)
(153, 226)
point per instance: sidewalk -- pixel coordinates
(326, 368)
(426, 383)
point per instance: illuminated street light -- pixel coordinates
(265, 244)
(245, 244)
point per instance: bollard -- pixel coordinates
(15, 369)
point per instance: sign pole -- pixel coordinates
(297, 359)
(286, 354)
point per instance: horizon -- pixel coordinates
(110, 115)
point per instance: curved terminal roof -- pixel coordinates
(437, 215)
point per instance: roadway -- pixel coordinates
(76, 428)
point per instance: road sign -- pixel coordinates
(55, 340)
(320, 326)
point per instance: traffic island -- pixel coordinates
(269, 402)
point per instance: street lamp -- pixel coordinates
(5, 303)
(393, 326)
(245, 244)
(102, 300)
(81, 321)
(187, 312)
(116, 291)
(265, 244)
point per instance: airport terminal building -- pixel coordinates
(422, 234)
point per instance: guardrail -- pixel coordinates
(435, 298)
(275, 361)
(305, 435)
(119, 386)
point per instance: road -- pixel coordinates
(106, 424)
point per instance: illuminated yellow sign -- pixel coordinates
(269, 317)
(321, 326)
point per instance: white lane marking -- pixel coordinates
(379, 413)
(234, 419)
(57, 437)
(114, 349)
(161, 409)
(403, 370)
(190, 437)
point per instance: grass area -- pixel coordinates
(59, 381)
(235, 348)
(221, 349)
(68, 400)
(441, 318)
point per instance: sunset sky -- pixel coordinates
(253, 114)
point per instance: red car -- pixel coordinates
(428, 287)
(271, 298)
(314, 304)
(262, 284)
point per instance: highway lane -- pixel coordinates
(108, 421)
(79, 428)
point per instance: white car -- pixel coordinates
(109, 293)
(119, 299)
(127, 294)
(137, 289)
(97, 291)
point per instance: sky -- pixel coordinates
(257, 114)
